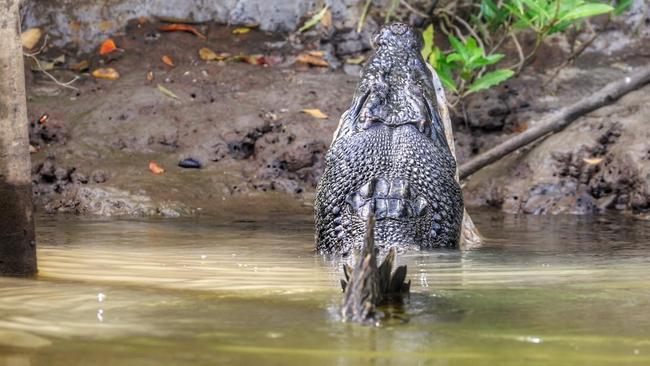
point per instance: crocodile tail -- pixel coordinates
(362, 293)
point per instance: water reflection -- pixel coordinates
(550, 290)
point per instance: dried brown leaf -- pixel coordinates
(107, 47)
(308, 59)
(167, 60)
(30, 37)
(592, 161)
(182, 28)
(155, 168)
(107, 73)
(316, 113)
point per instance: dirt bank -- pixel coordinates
(259, 153)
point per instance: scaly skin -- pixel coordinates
(390, 158)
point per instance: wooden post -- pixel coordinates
(17, 244)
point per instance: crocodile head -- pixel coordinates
(390, 157)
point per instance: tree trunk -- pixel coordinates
(17, 244)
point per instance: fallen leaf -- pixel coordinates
(59, 60)
(326, 20)
(107, 73)
(182, 28)
(43, 119)
(168, 92)
(592, 161)
(315, 19)
(319, 54)
(30, 37)
(32, 149)
(251, 59)
(80, 66)
(155, 168)
(308, 59)
(522, 127)
(107, 47)
(106, 25)
(241, 30)
(355, 60)
(207, 54)
(38, 65)
(149, 75)
(168, 61)
(316, 113)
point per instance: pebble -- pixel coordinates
(189, 163)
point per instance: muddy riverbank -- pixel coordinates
(242, 124)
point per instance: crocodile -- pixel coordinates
(390, 159)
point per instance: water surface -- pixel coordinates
(559, 290)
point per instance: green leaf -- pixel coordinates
(489, 9)
(427, 36)
(487, 60)
(314, 19)
(459, 47)
(587, 10)
(537, 9)
(494, 58)
(490, 79)
(622, 6)
(447, 80)
(454, 57)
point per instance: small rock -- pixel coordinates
(78, 177)
(190, 163)
(352, 70)
(99, 176)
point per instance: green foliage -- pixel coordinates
(546, 17)
(463, 69)
(463, 63)
(621, 7)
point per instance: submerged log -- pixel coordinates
(17, 244)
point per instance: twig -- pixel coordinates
(41, 69)
(559, 120)
(574, 55)
(637, 28)
(364, 13)
(519, 65)
(467, 26)
(414, 10)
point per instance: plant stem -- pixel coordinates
(364, 13)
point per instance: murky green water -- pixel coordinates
(544, 291)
